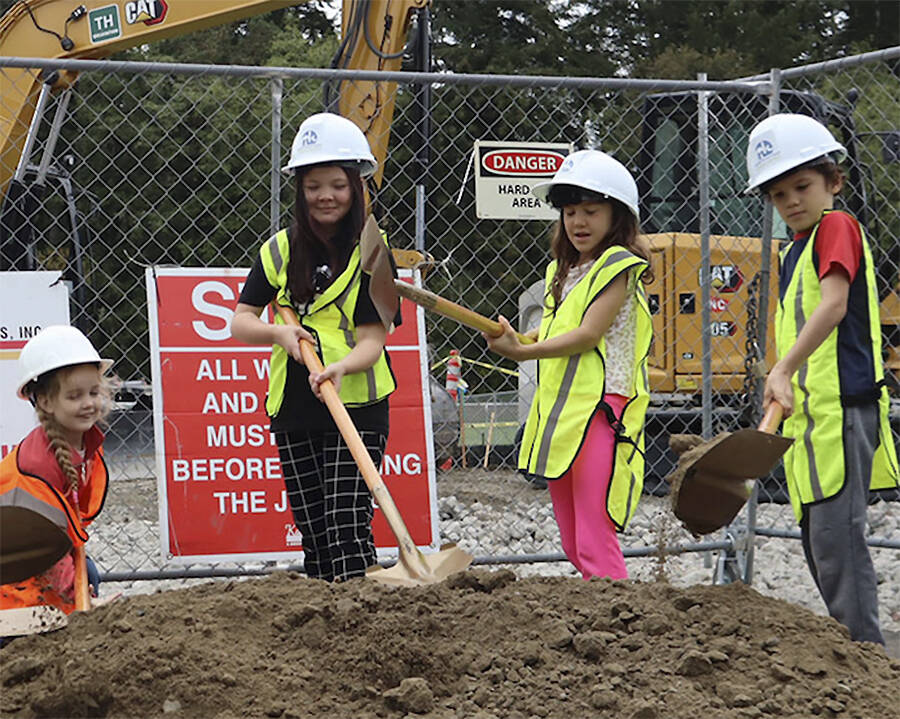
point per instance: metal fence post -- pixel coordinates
(277, 90)
(762, 323)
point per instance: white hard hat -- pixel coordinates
(783, 142)
(54, 347)
(329, 138)
(595, 171)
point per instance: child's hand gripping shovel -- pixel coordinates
(413, 567)
(714, 478)
(447, 308)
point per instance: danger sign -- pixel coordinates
(221, 491)
(506, 172)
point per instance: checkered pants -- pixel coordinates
(330, 501)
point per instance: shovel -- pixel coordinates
(714, 478)
(413, 568)
(463, 315)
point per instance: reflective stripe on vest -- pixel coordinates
(329, 318)
(570, 389)
(814, 465)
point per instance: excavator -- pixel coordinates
(373, 37)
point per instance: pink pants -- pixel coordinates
(579, 502)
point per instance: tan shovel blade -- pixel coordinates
(716, 485)
(423, 568)
(31, 620)
(375, 260)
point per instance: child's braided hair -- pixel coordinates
(62, 450)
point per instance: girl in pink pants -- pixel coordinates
(585, 429)
(587, 533)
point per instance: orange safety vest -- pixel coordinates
(30, 478)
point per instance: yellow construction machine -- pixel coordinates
(374, 33)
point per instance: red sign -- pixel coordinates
(221, 490)
(522, 162)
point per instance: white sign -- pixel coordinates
(29, 301)
(506, 172)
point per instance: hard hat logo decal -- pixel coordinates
(309, 137)
(567, 165)
(764, 149)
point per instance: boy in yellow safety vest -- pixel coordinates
(829, 376)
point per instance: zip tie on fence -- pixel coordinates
(439, 363)
(512, 372)
(482, 425)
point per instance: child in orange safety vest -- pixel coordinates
(57, 470)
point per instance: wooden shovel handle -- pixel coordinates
(82, 587)
(772, 418)
(348, 431)
(463, 315)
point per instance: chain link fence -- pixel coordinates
(155, 164)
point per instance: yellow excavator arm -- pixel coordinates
(373, 37)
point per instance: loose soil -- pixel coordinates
(480, 645)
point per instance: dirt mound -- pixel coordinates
(482, 644)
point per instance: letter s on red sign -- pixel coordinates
(198, 299)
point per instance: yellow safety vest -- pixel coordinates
(570, 389)
(329, 318)
(814, 465)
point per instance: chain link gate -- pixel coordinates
(160, 164)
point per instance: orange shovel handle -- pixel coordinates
(772, 418)
(355, 444)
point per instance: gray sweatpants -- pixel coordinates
(834, 534)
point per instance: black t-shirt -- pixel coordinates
(300, 409)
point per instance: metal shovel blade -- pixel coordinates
(718, 482)
(376, 262)
(421, 569)
(30, 542)
(31, 620)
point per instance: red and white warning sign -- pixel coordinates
(506, 172)
(221, 491)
